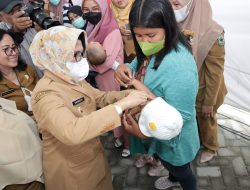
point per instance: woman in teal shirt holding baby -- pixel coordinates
(170, 73)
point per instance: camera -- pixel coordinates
(35, 10)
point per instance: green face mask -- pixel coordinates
(151, 48)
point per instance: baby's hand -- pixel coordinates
(133, 82)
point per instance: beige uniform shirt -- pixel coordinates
(73, 156)
(11, 91)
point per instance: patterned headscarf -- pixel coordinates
(51, 49)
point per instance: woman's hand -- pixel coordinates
(125, 32)
(207, 111)
(134, 98)
(123, 75)
(20, 23)
(131, 126)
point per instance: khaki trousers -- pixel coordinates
(208, 132)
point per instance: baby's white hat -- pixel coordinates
(160, 120)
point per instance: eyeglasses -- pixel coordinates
(10, 50)
(78, 55)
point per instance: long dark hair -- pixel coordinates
(21, 65)
(156, 14)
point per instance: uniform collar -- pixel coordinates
(80, 86)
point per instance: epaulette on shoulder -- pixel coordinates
(189, 34)
(40, 95)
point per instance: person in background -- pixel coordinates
(103, 28)
(12, 17)
(73, 156)
(207, 40)
(55, 7)
(121, 10)
(66, 6)
(65, 10)
(20, 149)
(75, 16)
(12, 20)
(17, 80)
(168, 69)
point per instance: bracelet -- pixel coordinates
(118, 109)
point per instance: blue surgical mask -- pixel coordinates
(54, 2)
(79, 23)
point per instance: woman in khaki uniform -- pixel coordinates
(17, 79)
(65, 107)
(207, 40)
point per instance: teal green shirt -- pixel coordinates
(176, 81)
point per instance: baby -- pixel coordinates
(96, 55)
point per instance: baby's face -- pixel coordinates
(120, 3)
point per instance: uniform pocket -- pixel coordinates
(81, 154)
(92, 173)
(80, 158)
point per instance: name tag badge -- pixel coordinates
(7, 92)
(78, 101)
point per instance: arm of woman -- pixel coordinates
(105, 98)
(214, 68)
(138, 85)
(113, 45)
(124, 73)
(55, 117)
(125, 99)
(180, 92)
(131, 126)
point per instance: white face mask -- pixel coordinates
(181, 14)
(78, 71)
(27, 96)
